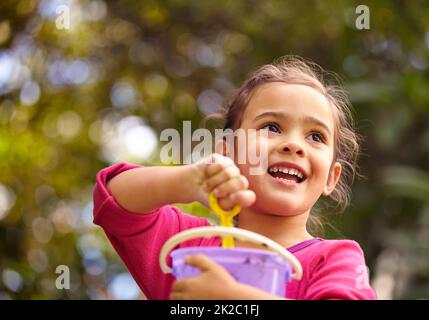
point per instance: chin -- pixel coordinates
(278, 206)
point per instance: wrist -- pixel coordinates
(191, 178)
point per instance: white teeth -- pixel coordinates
(285, 170)
(290, 171)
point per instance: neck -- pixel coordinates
(285, 230)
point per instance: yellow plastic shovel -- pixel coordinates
(225, 218)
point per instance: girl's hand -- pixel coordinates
(220, 174)
(213, 283)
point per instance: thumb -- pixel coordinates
(202, 262)
(215, 158)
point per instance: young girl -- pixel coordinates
(311, 152)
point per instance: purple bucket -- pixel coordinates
(262, 269)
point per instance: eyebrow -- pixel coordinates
(307, 119)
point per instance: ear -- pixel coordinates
(334, 176)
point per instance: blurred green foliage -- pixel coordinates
(74, 100)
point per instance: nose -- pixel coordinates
(291, 148)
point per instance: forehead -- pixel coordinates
(294, 99)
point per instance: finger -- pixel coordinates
(230, 186)
(180, 285)
(226, 203)
(219, 158)
(201, 262)
(215, 168)
(245, 198)
(222, 176)
(212, 158)
(215, 161)
(177, 296)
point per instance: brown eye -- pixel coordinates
(271, 127)
(315, 136)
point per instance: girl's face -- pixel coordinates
(300, 143)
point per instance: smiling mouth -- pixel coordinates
(284, 173)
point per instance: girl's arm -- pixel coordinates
(145, 189)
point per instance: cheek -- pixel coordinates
(253, 152)
(321, 164)
(256, 183)
(246, 170)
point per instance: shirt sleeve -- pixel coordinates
(340, 272)
(138, 238)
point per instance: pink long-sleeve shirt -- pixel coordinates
(332, 269)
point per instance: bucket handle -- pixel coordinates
(245, 235)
